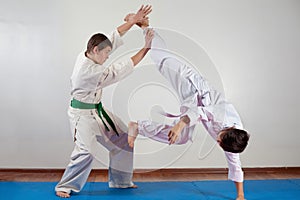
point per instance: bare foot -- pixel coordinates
(134, 186)
(132, 133)
(129, 187)
(62, 194)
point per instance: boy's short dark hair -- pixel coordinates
(234, 140)
(99, 40)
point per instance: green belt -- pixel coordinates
(81, 105)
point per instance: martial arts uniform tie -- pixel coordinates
(81, 105)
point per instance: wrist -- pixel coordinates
(146, 48)
(143, 26)
(131, 22)
(240, 197)
(182, 124)
(134, 20)
(185, 119)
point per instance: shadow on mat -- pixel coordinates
(211, 195)
(108, 192)
(135, 192)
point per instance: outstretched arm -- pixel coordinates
(137, 18)
(235, 173)
(240, 190)
(118, 71)
(141, 54)
(176, 130)
(159, 49)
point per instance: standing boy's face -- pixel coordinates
(102, 55)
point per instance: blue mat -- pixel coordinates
(208, 190)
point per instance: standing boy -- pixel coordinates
(92, 125)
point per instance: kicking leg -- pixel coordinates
(176, 72)
(120, 162)
(120, 155)
(159, 50)
(160, 132)
(132, 133)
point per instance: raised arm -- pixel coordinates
(240, 190)
(117, 71)
(176, 130)
(137, 18)
(141, 54)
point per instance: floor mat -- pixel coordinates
(206, 190)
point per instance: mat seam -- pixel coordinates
(199, 190)
(291, 181)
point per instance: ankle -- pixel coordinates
(132, 129)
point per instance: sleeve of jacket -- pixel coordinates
(216, 113)
(116, 40)
(235, 172)
(116, 72)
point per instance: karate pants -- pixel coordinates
(178, 75)
(89, 134)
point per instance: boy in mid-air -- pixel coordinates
(200, 103)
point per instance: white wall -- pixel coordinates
(249, 49)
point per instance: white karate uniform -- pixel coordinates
(87, 81)
(199, 101)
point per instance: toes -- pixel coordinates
(130, 144)
(131, 141)
(62, 194)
